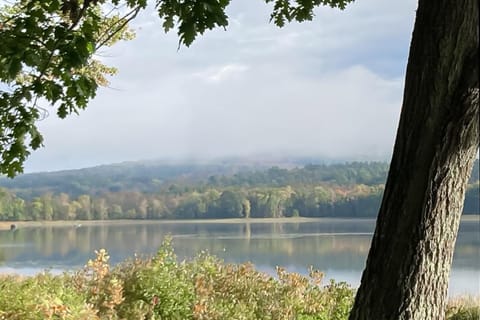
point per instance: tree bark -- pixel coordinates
(408, 266)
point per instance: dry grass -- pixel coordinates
(464, 308)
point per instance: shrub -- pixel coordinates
(204, 288)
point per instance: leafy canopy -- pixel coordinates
(49, 55)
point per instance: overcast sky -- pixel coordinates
(329, 88)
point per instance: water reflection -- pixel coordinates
(338, 247)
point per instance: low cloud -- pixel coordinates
(331, 87)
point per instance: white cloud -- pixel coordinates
(330, 87)
(222, 73)
(352, 112)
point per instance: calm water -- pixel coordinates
(337, 247)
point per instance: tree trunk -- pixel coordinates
(408, 266)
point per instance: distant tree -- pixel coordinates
(100, 209)
(246, 208)
(116, 212)
(84, 211)
(73, 208)
(36, 209)
(61, 207)
(142, 209)
(189, 208)
(47, 206)
(11, 207)
(230, 205)
(156, 208)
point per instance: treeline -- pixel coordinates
(318, 201)
(341, 190)
(368, 173)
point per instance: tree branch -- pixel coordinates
(124, 21)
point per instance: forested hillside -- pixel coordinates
(160, 191)
(134, 176)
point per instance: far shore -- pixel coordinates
(6, 225)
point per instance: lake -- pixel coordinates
(337, 247)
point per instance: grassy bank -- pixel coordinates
(5, 225)
(203, 288)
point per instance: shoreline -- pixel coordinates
(5, 225)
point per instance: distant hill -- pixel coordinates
(228, 189)
(142, 176)
(149, 176)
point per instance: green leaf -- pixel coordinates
(14, 68)
(54, 5)
(90, 47)
(36, 138)
(62, 111)
(187, 33)
(168, 24)
(53, 91)
(32, 59)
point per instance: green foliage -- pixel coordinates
(192, 17)
(148, 178)
(340, 190)
(47, 58)
(165, 284)
(230, 204)
(204, 288)
(163, 288)
(369, 173)
(300, 10)
(42, 297)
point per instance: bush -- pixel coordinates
(204, 288)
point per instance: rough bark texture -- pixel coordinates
(408, 266)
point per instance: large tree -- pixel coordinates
(46, 54)
(409, 262)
